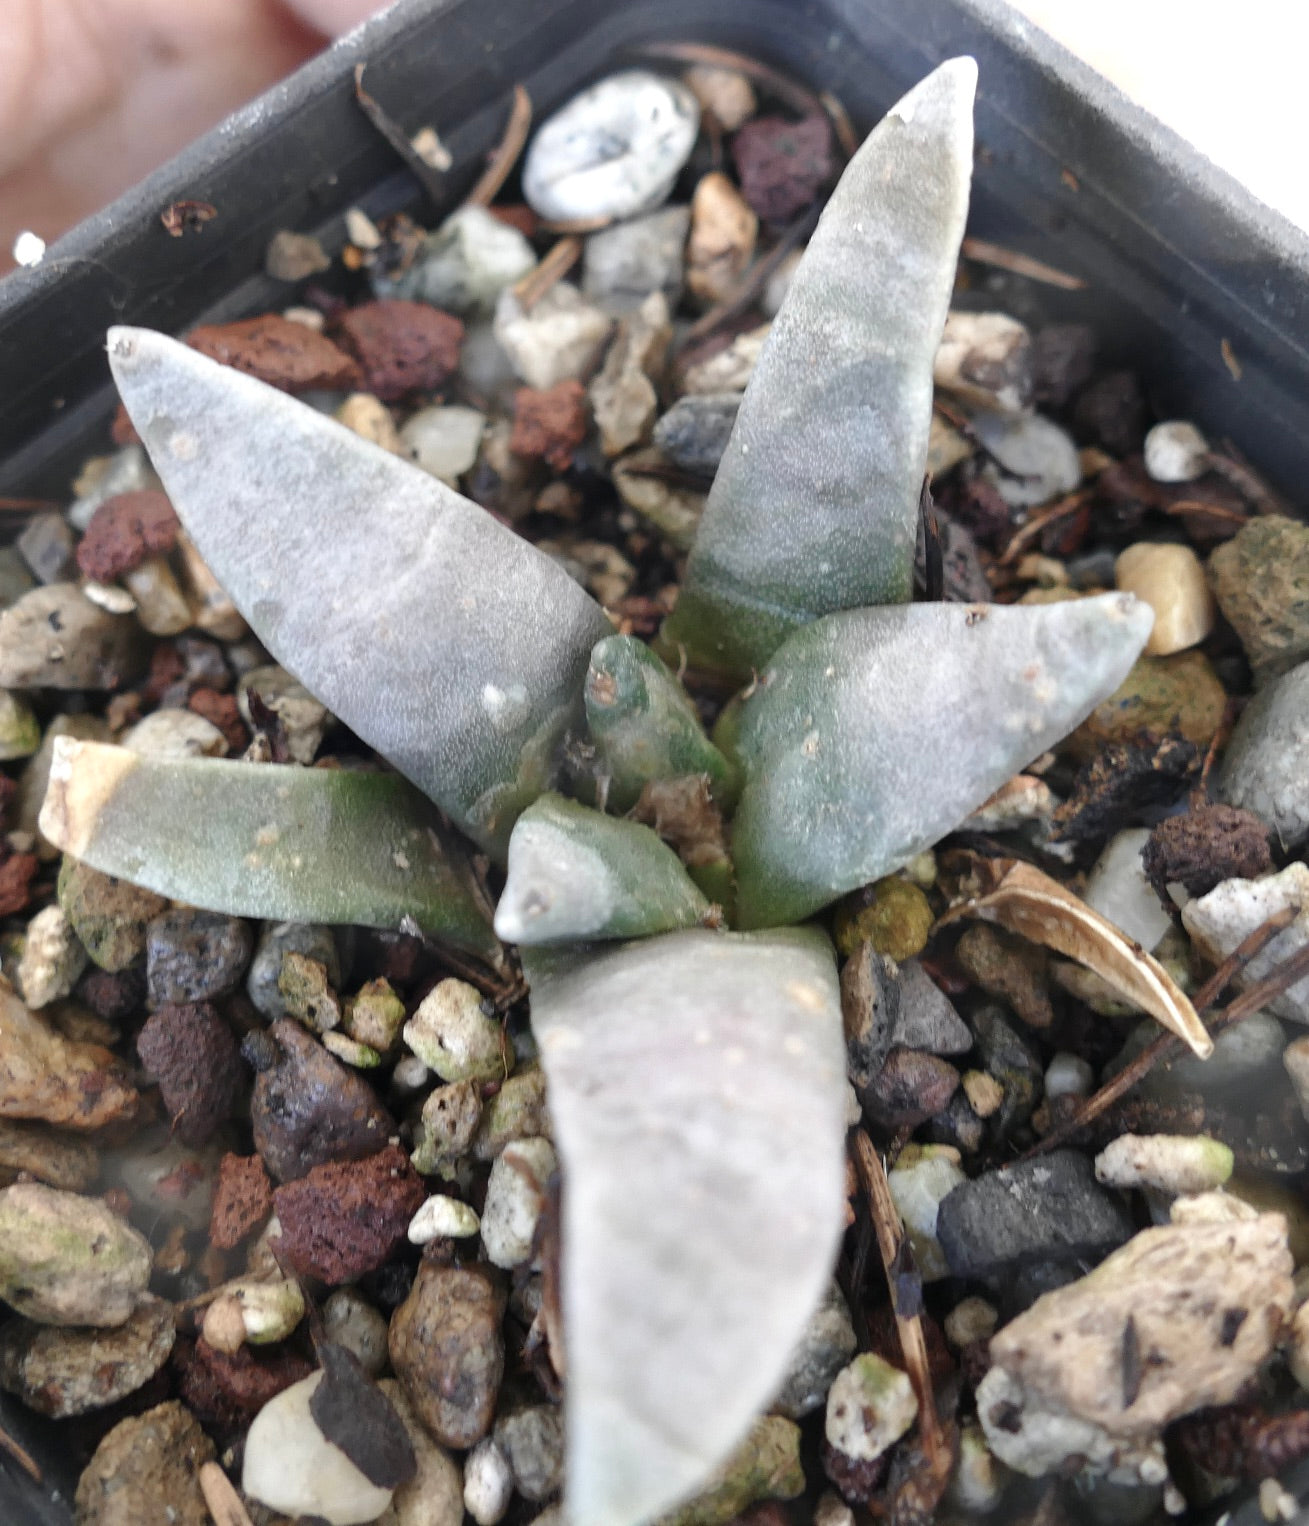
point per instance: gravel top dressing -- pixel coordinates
(652, 871)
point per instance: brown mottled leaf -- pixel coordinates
(1030, 903)
(353, 1413)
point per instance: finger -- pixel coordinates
(333, 17)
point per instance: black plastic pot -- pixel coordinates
(1199, 288)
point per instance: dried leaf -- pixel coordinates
(355, 1415)
(1030, 903)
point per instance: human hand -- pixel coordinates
(94, 94)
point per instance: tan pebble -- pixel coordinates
(1171, 580)
(983, 1091)
(722, 241)
(1277, 1503)
(972, 1319)
(724, 92)
(371, 420)
(1216, 1207)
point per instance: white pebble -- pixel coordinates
(972, 1319)
(917, 1191)
(515, 1196)
(443, 1217)
(1068, 1075)
(559, 339)
(51, 960)
(1038, 459)
(729, 95)
(174, 734)
(869, 1407)
(1176, 451)
(451, 1035)
(1171, 580)
(1168, 1162)
(488, 1483)
(290, 1466)
(444, 441)
(1118, 889)
(614, 150)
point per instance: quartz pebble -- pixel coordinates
(46, 544)
(146, 1472)
(448, 1352)
(1176, 451)
(515, 1198)
(870, 1406)
(1266, 765)
(1171, 580)
(1166, 1162)
(722, 242)
(826, 1346)
(54, 637)
(434, 1495)
(62, 1372)
(532, 1441)
(1068, 1075)
(175, 734)
(351, 1321)
(917, 1191)
(464, 265)
(488, 1483)
(51, 960)
(444, 440)
(725, 93)
(614, 150)
(1231, 912)
(624, 265)
(985, 359)
(693, 433)
(623, 395)
(443, 1217)
(453, 1036)
(1033, 459)
(291, 1467)
(69, 1260)
(1118, 889)
(161, 606)
(560, 339)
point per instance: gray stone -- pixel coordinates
(926, 1018)
(561, 338)
(622, 265)
(1243, 1055)
(62, 1372)
(693, 434)
(47, 547)
(1220, 921)
(15, 576)
(1046, 1209)
(54, 637)
(532, 1440)
(463, 265)
(312, 939)
(1266, 765)
(1007, 1056)
(195, 955)
(351, 1321)
(515, 1198)
(1033, 459)
(826, 1346)
(614, 150)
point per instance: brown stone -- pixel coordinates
(911, 1088)
(1016, 971)
(276, 350)
(401, 347)
(243, 1200)
(192, 1053)
(346, 1218)
(448, 1353)
(47, 1077)
(124, 531)
(1205, 846)
(550, 423)
(112, 995)
(225, 1391)
(16, 875)
(146, 1473)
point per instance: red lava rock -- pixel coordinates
(243, 1200)
(122, 431)
(124, 531)
(279, 351)
(345, 1219)
(549, 423)
(221, 710)
(401, 347)
(783, 165)
(167, 668)
(307, 1108)
(16, 875)
(112, 995)
(193, 1055)
(856, 1482)
(225, 1391)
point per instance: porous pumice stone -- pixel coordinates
(290, 1466)
(614, 150)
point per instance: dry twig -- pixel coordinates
(986, 253)
(398, 138)
(222, 1499)
(21, 1455)
(548, 272)
(506, 152)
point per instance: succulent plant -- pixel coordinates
(696, 1072)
